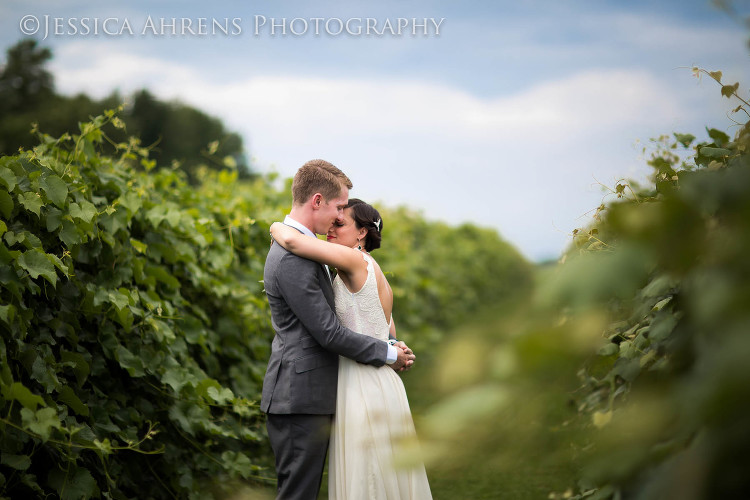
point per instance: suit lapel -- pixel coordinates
(326, 286)
(328, 273)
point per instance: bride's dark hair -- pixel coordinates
(366, 216)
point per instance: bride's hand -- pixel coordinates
(274, 228)
(403, 346)
(408, 354)
(285, 236)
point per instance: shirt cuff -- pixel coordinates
(392, 355)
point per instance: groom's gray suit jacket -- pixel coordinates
(302, 371)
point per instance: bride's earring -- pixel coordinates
(359, 245)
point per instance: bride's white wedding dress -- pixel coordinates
(372, 412)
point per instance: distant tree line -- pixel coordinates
(174, 132)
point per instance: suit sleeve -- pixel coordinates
(300, 286)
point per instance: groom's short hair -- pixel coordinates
(318, 176)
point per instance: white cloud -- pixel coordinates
(524, 163)
(98, 70)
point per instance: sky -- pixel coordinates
(510, 115)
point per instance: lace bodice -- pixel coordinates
(361, 311)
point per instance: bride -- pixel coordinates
(372, 411)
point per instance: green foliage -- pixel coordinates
(23, 78)
(629, 361)
(441, 275)
(181, 134)
(667, 391)
(134, 330)
(176, 134)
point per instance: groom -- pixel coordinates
(299, 389)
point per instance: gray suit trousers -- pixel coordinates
(300, 445)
